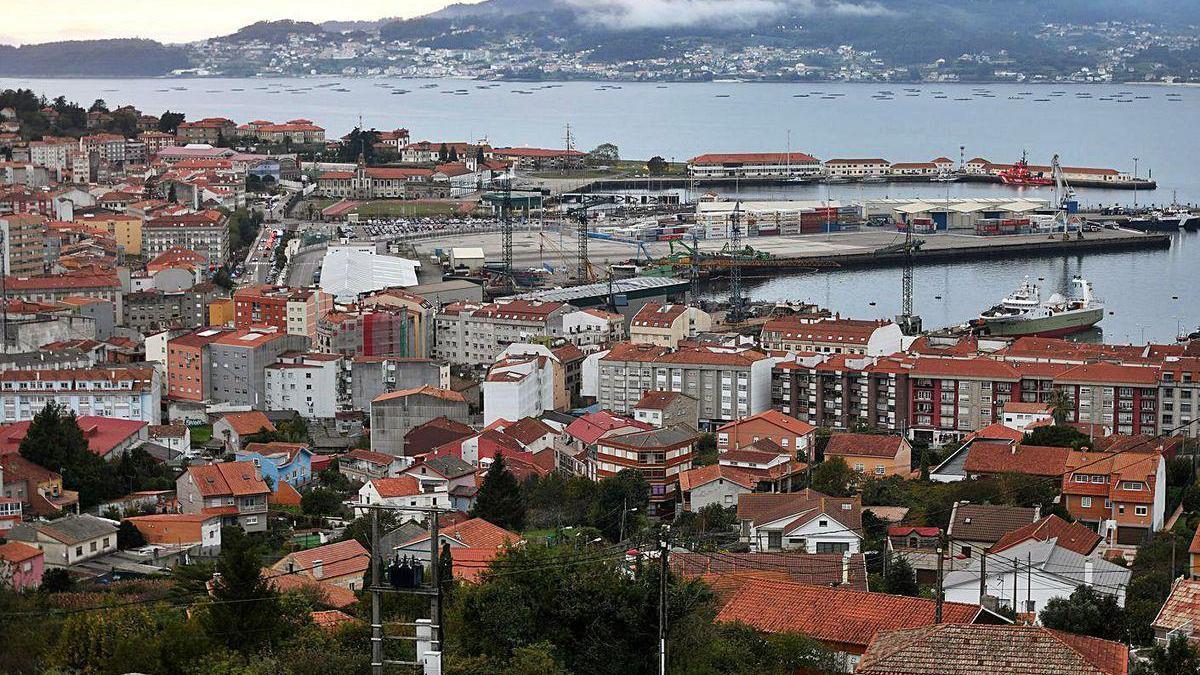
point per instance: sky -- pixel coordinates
(29, 22)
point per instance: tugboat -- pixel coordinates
(1020, 174)
(1024, 313)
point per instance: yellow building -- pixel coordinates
(220, 312)
(126, 230)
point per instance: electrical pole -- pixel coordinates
(982, 576)
(663, 552)
(624, 508)
(937, 611)
(1028, 582)
(376, 600)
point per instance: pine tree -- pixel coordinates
(500, 500)
(246, 611)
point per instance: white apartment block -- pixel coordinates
(475, 334)
(122, 393)
(517, 387)
(306, 383)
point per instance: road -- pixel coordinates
(303, 266)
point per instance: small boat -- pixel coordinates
(1019, 174)
(874, 179)
(944, 177)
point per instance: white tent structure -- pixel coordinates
(347, 272)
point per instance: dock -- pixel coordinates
(685, 182)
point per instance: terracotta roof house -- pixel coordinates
(436, 432)
(25, 563)
(990, 459)
(1075, 537)
(959, 648)
(341, 564)
(806, 521)
(842, 620)
(475, 533)
(233, 427)
(330, 595)
(977, 527)
(108, 437)
(872, 454)
(233, 490)
(789, 433)
(1180, 614)
(180, 528)
(818, 569)
(713, 484)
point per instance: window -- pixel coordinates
(879, 470)
(858, 466)
(1085, 502)
(1140, 510)
(1131, 485)
(78, 550)
(1098, 479)
(965, 551)
(774, 540)
(251, 520)
(1080, 478)
(822, 523)
(92, 547)
(833, 547)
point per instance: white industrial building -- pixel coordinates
(349, 271)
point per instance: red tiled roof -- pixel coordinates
(658, 315)
(818, 569)
(401, 486)
(103, 434)
(527, 430)
(969, 368)
(989, 458)
(754, 158)
(380, 458)
(865, 445)
(837, 616)
(470, 563)
(955, 648)
(250, 422)
(343, 558)
(805, 505)
(1181, 608)
(852, 331)
(330, 594)
(475, 533)
(1111, 374)
(228, 478)
(15, 552)
(332, 619)
(693, 478)
(995, 431)
(1071, 536)
(786, 422)
(657, 400)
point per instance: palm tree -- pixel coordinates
(1061, 405)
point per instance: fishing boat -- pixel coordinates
(1019, 174)
(1024, 312)
(944, 177)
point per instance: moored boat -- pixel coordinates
(1025, 313)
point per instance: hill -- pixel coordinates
(92, 58)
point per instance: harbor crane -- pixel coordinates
(584, 270)
(737, 301)
(910, 324)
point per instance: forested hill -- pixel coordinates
(92, 58)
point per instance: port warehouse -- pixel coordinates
(801, 165)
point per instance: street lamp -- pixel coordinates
(1135, 179)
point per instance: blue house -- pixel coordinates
(290, 463)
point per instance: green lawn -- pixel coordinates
(201, 434)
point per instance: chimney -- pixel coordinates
(318, 569)
(1037, 511)
(1088, 569)
(846, 567)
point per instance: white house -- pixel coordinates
(1027, 576)
(306, 383)
(400, 491)
(592, 329)
(69, 540)
(713, 484)
(518, 386)
(1020, 416)
(805, 521)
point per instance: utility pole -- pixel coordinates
(376, 601)
(937, 611)
(982, 576)
(624, 508)
(664, 545)
(1028, 582)
(506, 227)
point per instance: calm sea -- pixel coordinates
(1155, 124)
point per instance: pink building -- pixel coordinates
(21, 566)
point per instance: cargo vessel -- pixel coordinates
(1025, 313)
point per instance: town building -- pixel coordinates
(343, 564)
(805, 521)
(39, 490)
(238, 362)
(474, 334)
(70, 540)
(232, 490)
(199, 530)
(152, 311)
(754, 165)
(667, 409)
(51, 288)
(660, 455)
(713, 484)
(23, 245)
(974, 528)
(295, 311)
(372, 376)
(278, 462)
(381, 182)
(232, 428)
(1122, 494)
(667, 325)
(308, 383)
(798, 333)
(189, 364)
(790, 434)
(729, 383)
(363, 465)
(206, 233)
(395, 413)
(21, 566)
(872, 454)
(522, 386)
(540, 159)
(210, 131)
(124, 392)
(400, 491)
(592, 329)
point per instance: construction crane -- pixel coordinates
(910, 324)
(737, 302)
(584, 269)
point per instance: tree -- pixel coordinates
(1061, 406)
(657, 166)
(360, 528)
(54, 440)
(172, 196)
(98, 106)
(446, 569)
(245, 612)
(706, 450)
(222, 278)
(605, 153)
(128, 536)
(621, 496)
(57, 580)
(500, 500)
(1060, 436)
(899, 578)
(169, 121)
(1086, 612)
(1177, 657)
(443, 154)
(834, 477)
(321, 501)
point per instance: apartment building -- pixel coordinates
(53, 288)
(420, 317)
(728, 383)
(395, 413)
(953, 397)
(660, 455)
(127, 393)
(373, 376)
(753, 164)
(1123, 397)
(519, 386)
(152, 311)
(667, 325)
(308, 383)
(295, 311)
(189, 364)
(233, 490)
(592, 329)
(23, 244)
(841, 391)
(205, 233)
(209, 131)
(790, 434)
(474, 334)
(383, 331)
(52, 153)
(798, 333)
(1179, 396)
(238, 361)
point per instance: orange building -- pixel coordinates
(179, 528)
(293, 310)
(872, 454)
(187, 364)
(1123, 493)
(787, 432)
(220, 312)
